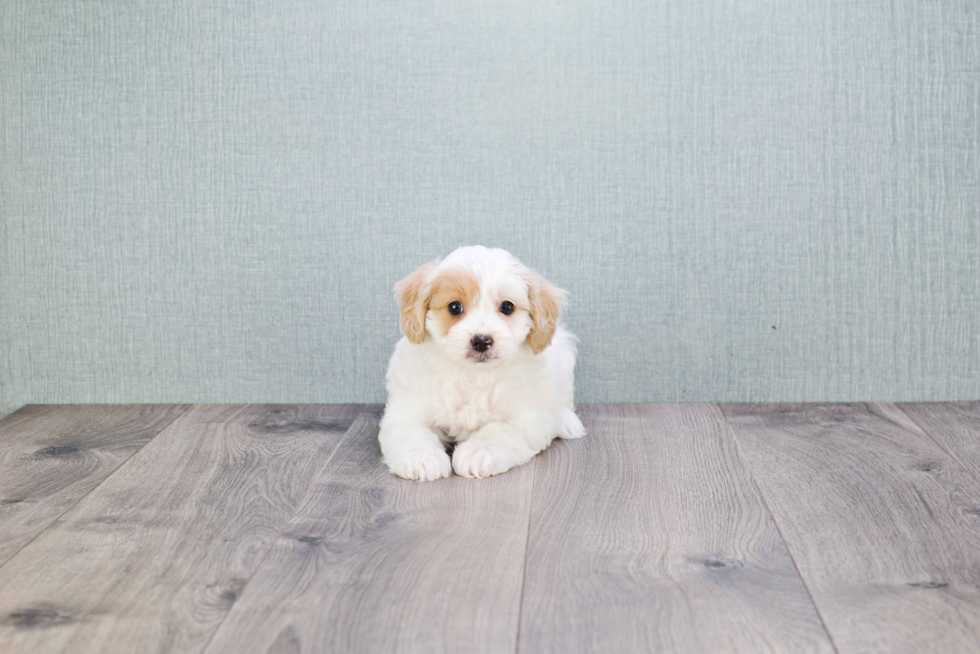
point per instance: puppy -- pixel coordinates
(483, 365)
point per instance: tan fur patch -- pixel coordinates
(449, 286)
(546, 303)
(414, 303)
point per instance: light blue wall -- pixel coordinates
(210, 201)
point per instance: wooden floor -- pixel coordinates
(669, 528)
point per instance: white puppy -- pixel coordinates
(483, 364)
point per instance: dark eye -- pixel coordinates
(506, 308)
(455, 308)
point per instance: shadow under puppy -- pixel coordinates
(483, 364)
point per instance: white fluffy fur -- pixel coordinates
(499, 412)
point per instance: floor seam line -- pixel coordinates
(952, 455)
(272, 544)
(92, 490)
(772, 516)
(527, 543)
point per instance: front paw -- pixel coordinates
(569, 425)
(421, 464)
(478, 459)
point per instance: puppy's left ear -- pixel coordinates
(547, 301)
(414, 300)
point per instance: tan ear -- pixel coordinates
(546, 302)
(414, 303)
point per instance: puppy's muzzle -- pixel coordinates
(481, 342)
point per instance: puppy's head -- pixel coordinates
(479, 305)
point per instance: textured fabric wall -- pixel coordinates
(762, 200)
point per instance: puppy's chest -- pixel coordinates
(465, 406)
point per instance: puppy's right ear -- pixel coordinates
(414, 303)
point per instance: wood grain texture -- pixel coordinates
(648, 535)
(878, 519)
(52, 456)
(374, 563)
(955, 426)
(152, 559)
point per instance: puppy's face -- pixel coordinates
(479, 306)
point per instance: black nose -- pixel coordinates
(481, 342)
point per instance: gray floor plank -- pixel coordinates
(877, 517)
(955, 426)
(648, 535)
(52, 456)
(373, 563)
(152, 559)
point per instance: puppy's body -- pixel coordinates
(500, 404)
